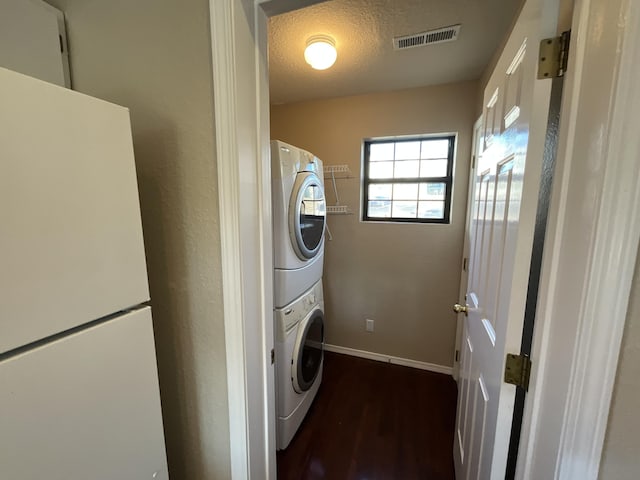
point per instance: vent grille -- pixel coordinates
(441, 35)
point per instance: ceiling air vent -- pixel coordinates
(441, 35)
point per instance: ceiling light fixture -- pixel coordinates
(320, 52)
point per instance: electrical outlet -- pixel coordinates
(369, 325)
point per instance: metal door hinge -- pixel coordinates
(273, 356)
(517, 370)
(457, 355)
(553, 56)
(464, 264)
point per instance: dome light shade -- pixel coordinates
(320, 52)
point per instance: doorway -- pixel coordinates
(254, 24)
(249, 171)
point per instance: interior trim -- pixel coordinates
(225, 93)
(240, 82)
(593, 245)
(380, 357)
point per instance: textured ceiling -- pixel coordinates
(363, 31)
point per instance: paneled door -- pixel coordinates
(501, 224)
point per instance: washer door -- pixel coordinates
(308, 351)
(307, 215)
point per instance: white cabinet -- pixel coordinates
(33, 40)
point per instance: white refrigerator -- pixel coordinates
(79, 396)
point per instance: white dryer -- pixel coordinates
(299, 359)
(299, 218)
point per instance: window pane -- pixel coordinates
(380, 191)
(402, 209)
(408, 180)
(431, 210)
(432, 191)
(381, 151)
(379, 209)
(435, 149)
(407, 169)
(381, 170)
(405, 191)
(407, 150)
(433, 168)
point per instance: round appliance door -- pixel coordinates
(308, 351)
(307, 215)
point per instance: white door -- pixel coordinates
(501, 234)
(477, 146)
(71, 247)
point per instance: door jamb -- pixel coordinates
(241, 108)
(590, 250)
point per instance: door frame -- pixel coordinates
(566, 445)
(594, 215)
(241, 109)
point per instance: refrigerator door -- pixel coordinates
(71, 246)
(84, 406)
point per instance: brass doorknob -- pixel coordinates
(460, 308)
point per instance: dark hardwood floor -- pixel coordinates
(373, 420)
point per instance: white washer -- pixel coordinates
(299, 360)
(299, 218)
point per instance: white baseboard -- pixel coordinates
(379, 357)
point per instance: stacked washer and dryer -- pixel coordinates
(299, 217)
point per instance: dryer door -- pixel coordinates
(308, 351)
(307, 215)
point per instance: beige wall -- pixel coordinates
(154, 57)
(621, 453)
(404, 276)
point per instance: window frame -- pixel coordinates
(447, 180)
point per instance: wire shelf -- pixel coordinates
(338, 210)
(337, 171)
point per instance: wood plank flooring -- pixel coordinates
(374, 421)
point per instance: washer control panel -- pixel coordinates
(288, 316)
